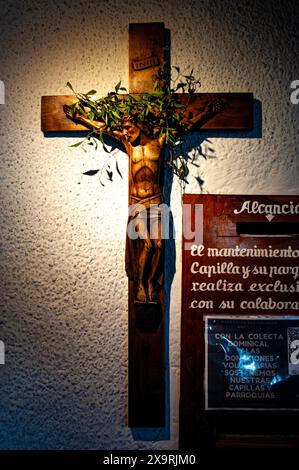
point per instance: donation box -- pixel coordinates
(240, 321)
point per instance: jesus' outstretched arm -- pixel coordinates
(94, 125)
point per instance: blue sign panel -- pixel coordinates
(252, 363)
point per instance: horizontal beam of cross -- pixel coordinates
(236, 115)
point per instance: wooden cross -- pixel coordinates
(146, 319)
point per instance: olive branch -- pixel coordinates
(160, 112)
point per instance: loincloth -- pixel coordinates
(145, 214)
(156, 199)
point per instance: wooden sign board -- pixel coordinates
(241, 262)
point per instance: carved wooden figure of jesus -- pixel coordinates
(145, 193)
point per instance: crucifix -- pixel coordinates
(145, 256)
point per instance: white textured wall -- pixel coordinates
(64, 290)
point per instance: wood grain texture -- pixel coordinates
(146, 321)
(146, 363)
(53, 118)
(237, 114)
(207, 429)
(146, 54)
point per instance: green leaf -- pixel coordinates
(117, 87)
(160, 110)
(73, 109)
(77, 144)
(178, 105)
(91, 92)
(115, 114)
(70, 86)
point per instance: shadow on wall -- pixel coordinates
(191, 143)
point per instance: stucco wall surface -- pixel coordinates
(63, 286)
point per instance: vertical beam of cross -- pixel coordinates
(146, 321)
